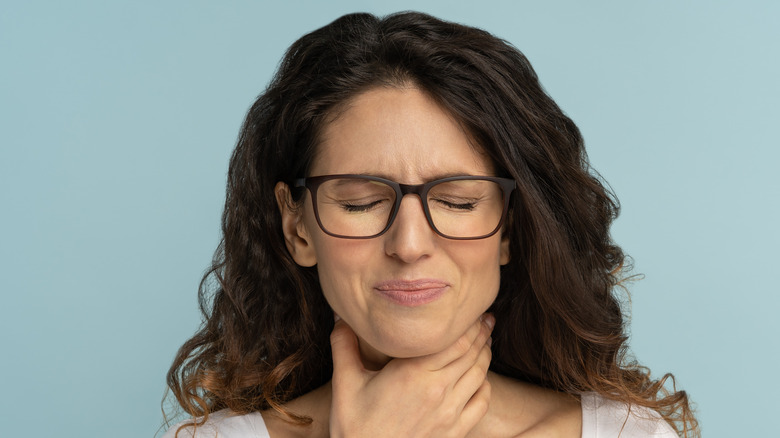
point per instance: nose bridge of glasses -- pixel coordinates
(414, 189)
(407, 189)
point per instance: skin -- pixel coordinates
(424, 368)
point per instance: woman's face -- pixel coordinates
(402, 135)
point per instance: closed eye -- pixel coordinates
(359, 208)
(465, 206)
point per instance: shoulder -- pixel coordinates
(602, 417)
(223, 424)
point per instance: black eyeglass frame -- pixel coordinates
(312, 184)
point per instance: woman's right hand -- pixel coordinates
(440, 395)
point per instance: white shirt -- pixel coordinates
(603, 418)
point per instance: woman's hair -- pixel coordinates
(559, 323)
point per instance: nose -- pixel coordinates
(410, 237)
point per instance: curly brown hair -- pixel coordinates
(265, 339)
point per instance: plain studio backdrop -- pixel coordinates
(117, 120)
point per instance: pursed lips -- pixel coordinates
(412, 293)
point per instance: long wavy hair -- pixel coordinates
(265, 339)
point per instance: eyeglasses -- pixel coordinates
(363, 207)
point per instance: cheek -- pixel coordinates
(479, 264)
(340, 263)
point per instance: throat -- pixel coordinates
(373, 359)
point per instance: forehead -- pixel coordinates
(399, 133)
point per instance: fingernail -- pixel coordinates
(490, 320)
(336, 317)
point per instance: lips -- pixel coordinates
(412, 293)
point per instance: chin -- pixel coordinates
(407, 351)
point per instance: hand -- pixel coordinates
(440, 395)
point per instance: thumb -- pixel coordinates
(346, 351)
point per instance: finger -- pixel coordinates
(473, 378)
(477, 334)
(476, 407)
(346, 351)
(465, 361)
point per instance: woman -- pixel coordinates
(409, 179)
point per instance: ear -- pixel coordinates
(505, 255)
(296, 237)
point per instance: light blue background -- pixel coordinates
(117, 120)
